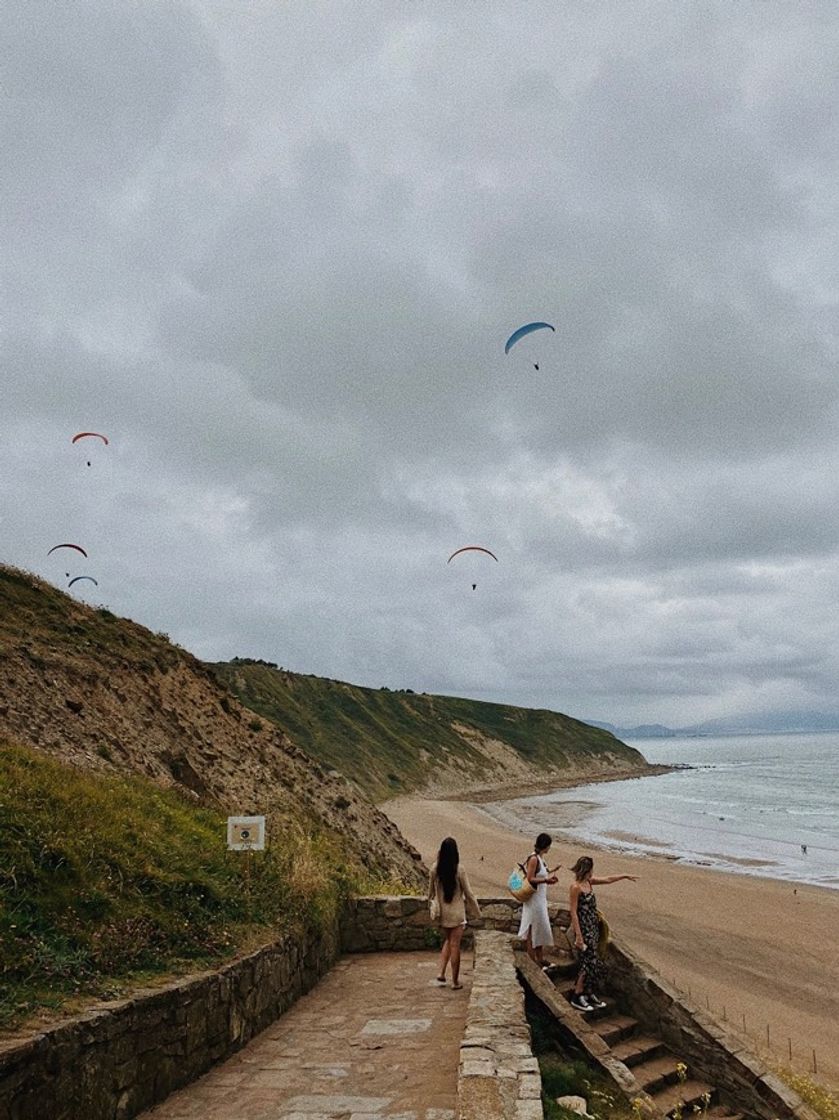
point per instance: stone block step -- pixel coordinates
(612, 1028)
(654, 1073)
(556, 952)
(562, 968)
(723, 1112)
(637, 1049)
(684, 1094)
(607, 1012)
(551, 954)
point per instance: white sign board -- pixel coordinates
(246, 834)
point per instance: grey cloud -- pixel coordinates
(91, 87)
(276, 249)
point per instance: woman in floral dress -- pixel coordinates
(585, 926)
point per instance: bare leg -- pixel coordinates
(455, 936)
(580, 984)
(445, 953)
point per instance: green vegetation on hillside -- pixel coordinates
(104, 880)
(390, 742)
(105, 694)
(35, 612)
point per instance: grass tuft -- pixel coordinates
(563, 1076)
(821, 1100)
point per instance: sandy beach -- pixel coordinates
(758, 948)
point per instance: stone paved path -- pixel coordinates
(376, 1038)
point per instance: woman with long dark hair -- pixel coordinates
(585, 927)
(452, 902)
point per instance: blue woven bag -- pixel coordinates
(519, 885)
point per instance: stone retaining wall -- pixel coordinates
(116, 1061)
(498, 1077)
(125, 1056)
(377, 922)
(710, 1051)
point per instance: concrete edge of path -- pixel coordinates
(498, 1075)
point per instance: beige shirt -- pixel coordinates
(463, 904)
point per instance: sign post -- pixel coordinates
(246, 834)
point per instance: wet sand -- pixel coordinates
(765, 949)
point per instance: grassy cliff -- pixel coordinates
(107, 879)
(396, 742)
(109, 696)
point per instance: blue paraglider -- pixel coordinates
(527, 329)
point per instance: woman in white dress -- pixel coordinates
(535, 925)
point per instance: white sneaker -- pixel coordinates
(581, 1003)
(596, 1001)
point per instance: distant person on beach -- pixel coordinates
(452, 902)
(585, 927)
(535, 925)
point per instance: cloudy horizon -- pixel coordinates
(274, 251)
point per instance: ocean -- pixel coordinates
(749, 804)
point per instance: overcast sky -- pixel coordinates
(273, 249)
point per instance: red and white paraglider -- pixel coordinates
(77, 547)
(472, 548)
(89, 435)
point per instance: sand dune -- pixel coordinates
(759, 948)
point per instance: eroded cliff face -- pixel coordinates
(106, 694)
(392, 743)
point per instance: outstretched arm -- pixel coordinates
(612, 879)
